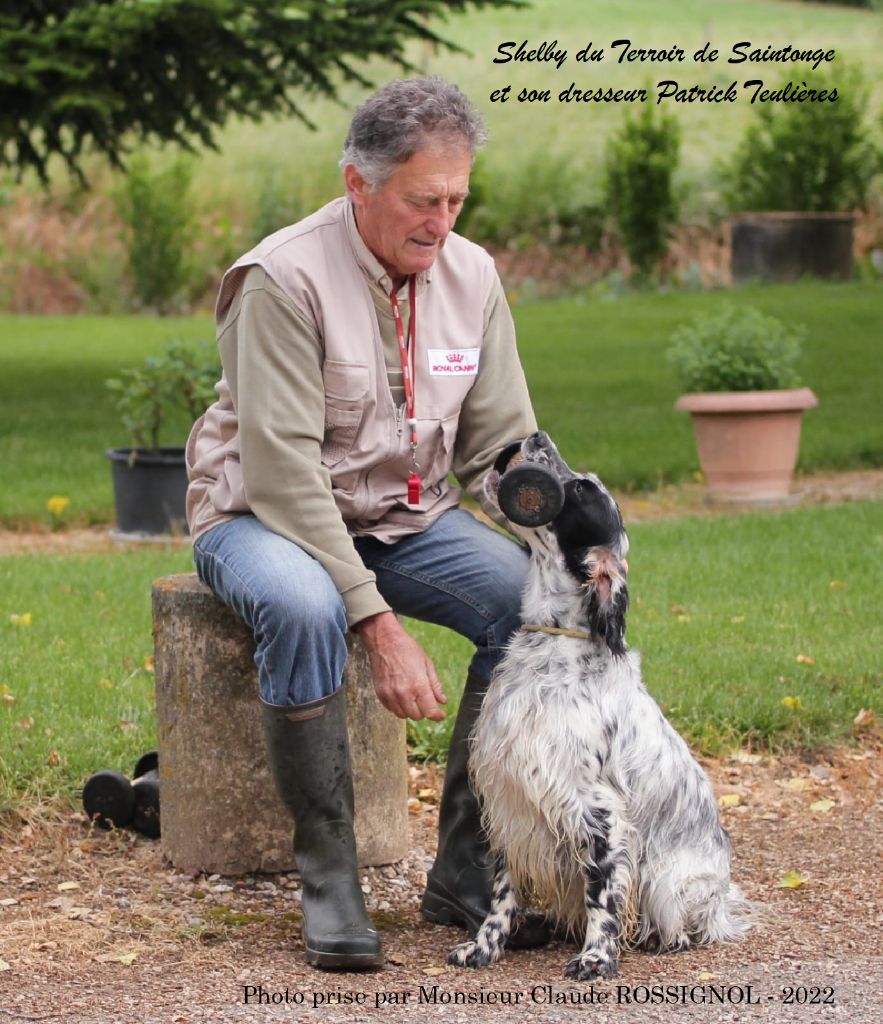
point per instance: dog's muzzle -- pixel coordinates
(529, 493)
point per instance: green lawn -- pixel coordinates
(603, 389)
(596, 370)
(732, 615)
(57, 419)
(75, 691)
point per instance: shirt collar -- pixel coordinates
(371, 266)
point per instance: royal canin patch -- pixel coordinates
(453, 362)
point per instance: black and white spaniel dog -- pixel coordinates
(595, 808)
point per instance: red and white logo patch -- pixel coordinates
(453, 362)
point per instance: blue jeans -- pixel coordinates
(459, 573)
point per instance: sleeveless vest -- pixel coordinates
(366, 440)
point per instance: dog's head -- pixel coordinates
(586, 534)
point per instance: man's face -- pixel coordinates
(406, 221)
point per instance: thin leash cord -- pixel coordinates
(577, 634)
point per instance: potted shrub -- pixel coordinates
(737, 366)
(149, 479)
(795, 181)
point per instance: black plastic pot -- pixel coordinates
(778, 247)
(150, 490)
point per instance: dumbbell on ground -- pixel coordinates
(112, 801)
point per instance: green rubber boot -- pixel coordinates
(309, 756)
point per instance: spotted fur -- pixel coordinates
(595, 807)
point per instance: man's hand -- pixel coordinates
(405, 679)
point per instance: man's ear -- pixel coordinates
(356, 185)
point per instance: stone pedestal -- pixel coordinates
(219, 809)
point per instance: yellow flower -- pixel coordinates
(57, 505)
(20, 620)
(791, 702)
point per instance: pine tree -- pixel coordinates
(77, 75)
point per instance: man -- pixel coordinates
(368, 352)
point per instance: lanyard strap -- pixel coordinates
(407, 350)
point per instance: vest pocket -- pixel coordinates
(442, 456)
(346, 385)
(341, 427)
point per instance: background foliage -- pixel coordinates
(80, 74)
(158, 212)
(639, 184)
(539, 182)
(807, 156)
(595, 364)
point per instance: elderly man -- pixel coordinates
(368, 352)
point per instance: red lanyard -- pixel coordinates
(407, 353)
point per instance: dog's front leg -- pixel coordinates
(490, 939)
(608, 881)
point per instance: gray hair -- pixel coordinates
(404, 117)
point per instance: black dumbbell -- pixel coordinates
(111, 800)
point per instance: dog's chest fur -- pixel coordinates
(567, 734)
(542, 759)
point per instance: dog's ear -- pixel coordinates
(606, 597)
(612, 622)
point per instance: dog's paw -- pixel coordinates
(473, 954)
(679, 944)
(592, 963)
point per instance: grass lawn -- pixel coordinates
(732, 615)
(603, 389)
(596, 368)
(75, 691)
(57, 420)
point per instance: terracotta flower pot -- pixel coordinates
(748, 441)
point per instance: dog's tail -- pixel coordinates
(718, 916)
(682, 907)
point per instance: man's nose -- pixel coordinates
(441, 220)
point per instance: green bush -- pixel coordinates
(182, 376)
(547, 201)
(736, 349)
(639, 184)
(810, 156)
(158, 210)
(276, 202)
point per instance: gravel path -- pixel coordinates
(96, 927)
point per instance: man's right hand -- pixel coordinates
(405, 679)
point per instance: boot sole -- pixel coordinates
(344, 961)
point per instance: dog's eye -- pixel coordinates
(577, 487)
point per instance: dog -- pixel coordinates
(595, 809)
